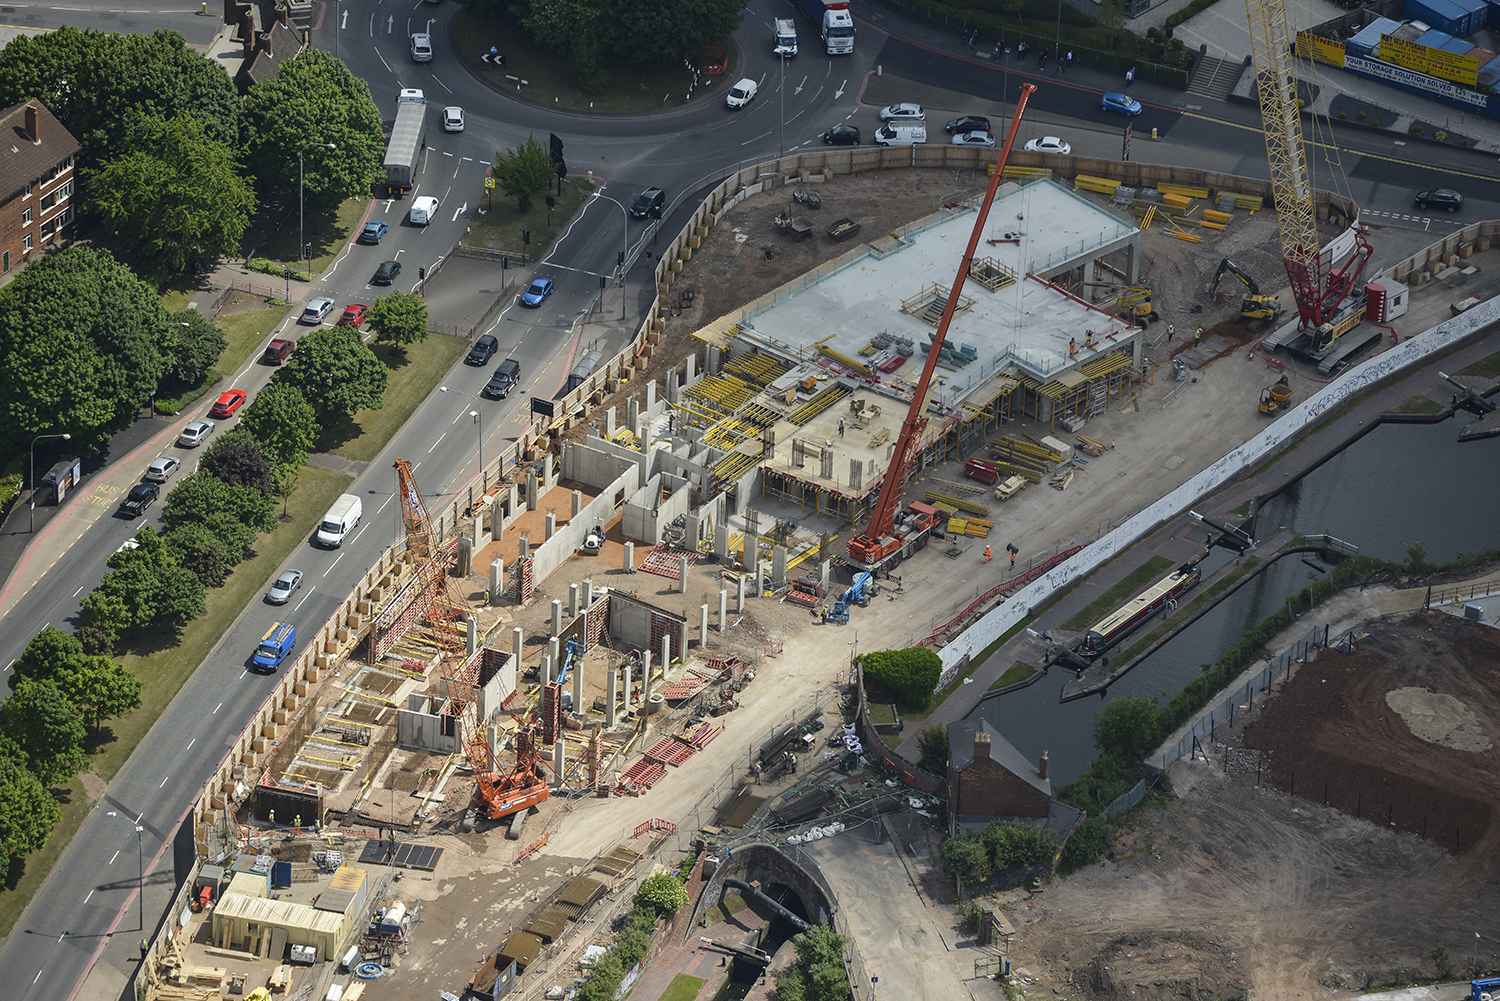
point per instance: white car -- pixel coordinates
(1048, 144)
(742, 94)
(315, 310)
(421, 48)
(973, 139)
(453, 119)
(903, 113)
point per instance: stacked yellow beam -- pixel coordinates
(1101, 185)
(853, 364)
(1176, 201)
(817, 405)
(1249, 203)
(943, 506)
(754, 367)
(1187, 191)
(957, 503)
(979, 528)
(958, 526)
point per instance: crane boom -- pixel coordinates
(879, 540)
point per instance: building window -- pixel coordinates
(26, 216)
(65, 190)
(67, 216)
(48, 201)
(27, 193)
(26, 244)
(5, 261)
(48, 227)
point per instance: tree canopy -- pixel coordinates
(315, 99)
(46, 726)
(50, 653)
(909, 676)
(202, 496)
(198, 343)
(284, 423)
(663, 892)
(146, 587)
(335, 371)
(818, 973)
(932, 748)
(27, 810)
(238, 459)
(525, 172)
(1125, 730)
(399, 319)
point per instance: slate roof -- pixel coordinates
(961, 753)
(25, 159)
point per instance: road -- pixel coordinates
(87, 910)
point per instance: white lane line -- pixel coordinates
(377, 511)
(75, 593)
(308, 593)
(190, 744)
(164, 780)
(217, 708)
(86, 899)
(438, 442)
(333, 564)
(112, 858)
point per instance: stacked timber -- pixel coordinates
(1022, 455)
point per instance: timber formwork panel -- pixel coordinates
(551, 713)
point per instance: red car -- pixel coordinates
(228, 403)
(354, 315)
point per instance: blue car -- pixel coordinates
(1123, 103)
(536, 293)
(372, 232)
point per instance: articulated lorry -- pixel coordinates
(835, 24)
(408, 136)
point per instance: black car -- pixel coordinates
(649, 203)
(968, 123)
(141, 496)
(841, 135)
(483, 349)
(1440, 198)
(499, 386)
(386, 273)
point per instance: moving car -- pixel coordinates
(278, 351)
(315, 310)
(499, 386)
(196, 431)
(386, 273)
(140, 497)
(354, 314)
(742, 94)
(968, 123)
(161, 469)
(1123, 103)
(283, 586)
(372, 233)
(423, 209)
(900, 135)
(536, 293)
(453, 119)
(649, 203)
(1440, 198)
(228, 403)
(973, 139)
(841, 135)
(421, 48)
(906, 112)
(1048, 144)
(483, 350)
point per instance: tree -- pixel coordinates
(909, 676)
(1126, 730)
(46, 727)
(399, 319)
(199, 550)
(146, 588)
(198, 498)
(28, 813)
(663, 891)
(932, 747)
(173, 194)
(1085, 845)
(50, 653)
(83, 342)
(1018, 843)
(238, 460)
(336, 372)
(965, 856)
(314, 98)
(102, 688)
(199, 343)
(523, 173)
(284, 423)
(818, 973)
(1111, 17)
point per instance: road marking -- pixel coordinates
(440, 438)
(308, 593)
(86, 899)
(840, 92)
(190, 744)
(217, 708)
(441, 84)
(75, 594)
(464, 208)
(799, 86)
(390, 24)
(333, 564)
(39, 973)
(343, 20)
(112, 858)
(164, 780)
(377, 511)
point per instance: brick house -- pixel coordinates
(36, 190)
(988, 779)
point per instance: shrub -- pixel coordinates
(1016, 843)
(1417, 130)
(910, 676)
(965, 856)
(1440, 136)
(266, 266)
(662, 893)
(1087, 845)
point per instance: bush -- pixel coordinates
(932, 743)
(965, 855)
(1016, 843)
(266, 266)
(1417, 130)
(909, 676)
(662, 893)
(1087, 845)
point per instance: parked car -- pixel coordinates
(453, 119)
(483, 350)
(421, 48)
(372, 233)
(195, 433)
(278, 351)
(386, 273)
(900, 135)
(1440, 198)
(141, 496)
(354, 314)
(537, 292)
(228, 403)
(1123, 103)
(283, 586)
(1048, 144)
(907, 112)
(841, 135)
(315, 310)
(741, 94)
(968, 123)
(162, 468)
(649, 203)
(973, 139)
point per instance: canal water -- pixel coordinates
(1398, 485)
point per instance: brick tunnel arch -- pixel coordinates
(786, 880)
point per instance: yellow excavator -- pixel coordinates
(1255, 309)
(1132, 302)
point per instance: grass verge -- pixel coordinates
(1486, 368)
(1417, 405)
(502, 223)
(684, 987)
(327, 232)
(414, 375)
(163, 672)
(1018, 673)
(1133, 582)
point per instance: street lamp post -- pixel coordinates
(300, 244)
(478, 423)
(33, 472)
(140, 885)
(624, 248)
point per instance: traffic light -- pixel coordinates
(551, 202)
(525, 237)
(504, 263)
(562, 170)
(421, 274)
(557, 148)
(307, 251)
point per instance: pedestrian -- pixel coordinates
(1021, 50)
(794, 764)
(1197, 337)
(1170, 331)
(1130, 76)
(1041, 60)
(273, 818)
(1070, 59)
(1072, 347)
(997, 50)
(144, 948)
(1046, 637)
(841, 427)
(986, 554)
(1012, 559)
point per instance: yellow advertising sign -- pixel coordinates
(1433, 62)
(1323, 50)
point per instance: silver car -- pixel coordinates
(315, 310)
(282, 588)
(195, 433)
(908, 112)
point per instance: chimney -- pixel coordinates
(981, 745)
(1042, 765)
(32, 123)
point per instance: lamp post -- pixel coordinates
(478, 423)
(33, 472)
(1057, 52)
(624, 247)
(140, 885)
(300, 244)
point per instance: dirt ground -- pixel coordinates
(1235, 889)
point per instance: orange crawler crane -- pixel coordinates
(500, 791)
(890, 538)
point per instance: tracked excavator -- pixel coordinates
(1257, 310)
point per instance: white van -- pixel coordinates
(423, 209)
(340, 520)
(900, 135)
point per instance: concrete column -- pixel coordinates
(674, 392)
(549, 473)
(611, 692)
(691, 370)
(633, 416)
(723, 609)
(778, 565)
(544, 670)
(533, 491)
(650, 395)
(471, 640)
(609, 424)
(549, 526)
(825, 569)
(682, 570)
(692, 532)
(646, 680)
(721, 540)
(559, 759)
(572, 600)
(739, 604)
(516, 638)
(497, 579)
(554, 650)
(577, 502)
(588, 593)
(712, 359)
(703, 624)
(525, 546)
(630, 557)
(556, 616)
(666, 653)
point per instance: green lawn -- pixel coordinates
(163, 670)
(1018, 672)
(1487, 368)
(1418, 404)
(414, 375)
(501, 226)
(328, 233)
(1133, 582)
(683, 987)
(881, 712)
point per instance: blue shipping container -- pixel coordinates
(1444, 15)
(1364, 43)
(1459, 47)
(1489, 73)
(1478, 12)
(1494, 21)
